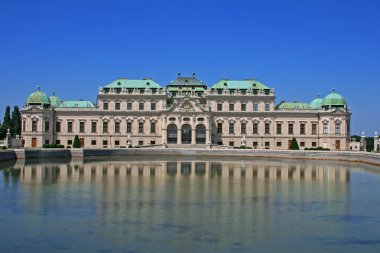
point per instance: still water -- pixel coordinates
(182, 204)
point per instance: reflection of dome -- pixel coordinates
(38, 98)
(55, 101)
(334, 99)
(316, 103)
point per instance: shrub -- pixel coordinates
(294, 144)
(318, 148)
(76, 143)
(3, 147)
(68, 147)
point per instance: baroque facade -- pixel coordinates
(186, 113)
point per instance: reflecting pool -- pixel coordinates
(188, 204)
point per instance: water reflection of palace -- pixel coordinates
(164, 169)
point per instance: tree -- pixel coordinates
(76, 143)
(16, 121)
(294, 145)
(7, 123)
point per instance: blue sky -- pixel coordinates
(299, 47)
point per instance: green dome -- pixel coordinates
(334, 99)
(38, 98)
(316, 103)
(55, 101)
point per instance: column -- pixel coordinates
(179, 136)
(193, 135)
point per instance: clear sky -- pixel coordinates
(299, 47)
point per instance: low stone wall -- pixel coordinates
(365, 157)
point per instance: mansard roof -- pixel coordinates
(240, 84)
(187, 82)
(133, 83)
(293, 106)
(77, 104)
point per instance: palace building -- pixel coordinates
(186, 113)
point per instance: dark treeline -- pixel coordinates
(11, 121)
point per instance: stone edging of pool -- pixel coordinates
(364, 157)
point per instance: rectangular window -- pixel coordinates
(325, 128)
(46, 142)
(70, 127)
(141, 127)
(152, 142)
(105, 143)
(243, 107)
(279, 128)
(58, 127)
(302, 128)
(117, 106)
(58, 142)
(267, 107)
(291, 128)
(278, 144)
(93, 142)
(129, 106)
(302, 144)
(117, 127)
(141, 106)
(255, 107)
(267, 128)
(243, 129)
(93, 127)
(152, 106)
(141, 143)
(220, 128)
(23, 125)
(69, 142)
(314, 144)
(232, 128)
(314, 129)
(105, 127)
(117, 143)
(129, 127)
(231, 107)
(267, 144)
(219, 107)
(153, 127)
(255, 128)
(81, 127)
(255, 144)
(47, 126)
(337, 128)
(105, 106)
(231, 144)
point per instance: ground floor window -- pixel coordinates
(267, 145)
(302, 144)
(93, 142)
(46, 141)
(152, 142)
(314, 144)
(69, 142)
(231, 143)
(105, 143)
(117, 142)
(141, 143)
(278, 144)
(255, 144)
(58, 142)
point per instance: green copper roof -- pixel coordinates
(239, 84)
(334, 99)
(77, 104)
(55, 101)
(187, 89)
(38, 98)
(316, 103)
(293, 106)
(186, 82)
(131, 84)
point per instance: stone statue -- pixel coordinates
(243, 141)
(129, 141)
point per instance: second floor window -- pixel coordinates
(105, 127)
(302, 128)
(267, 128)
(232, 128)
(279, 128)
(243, 107)
(93, 127)
(291, 128)
(220, 128)
(243, 129)
(141, 127)
(117, 106)
(117, 127)
(314, 129)
(255, 129)
(47, 126)
(34, 125)
(129, 106)
(129, 127)
(337, 128)
(231, 107)
(267, 107)
(105, 106)
(255, 107)
(58, 127)
(219, 107)
(81, 127)
(153, 106)
(153, 127)
(141, 106)
(70, 127)
(325, 128)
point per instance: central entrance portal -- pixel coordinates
(186, 134)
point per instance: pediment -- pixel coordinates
(186, 105)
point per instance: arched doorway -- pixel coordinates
(172, 134)
(200, 134)
(186, 134)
